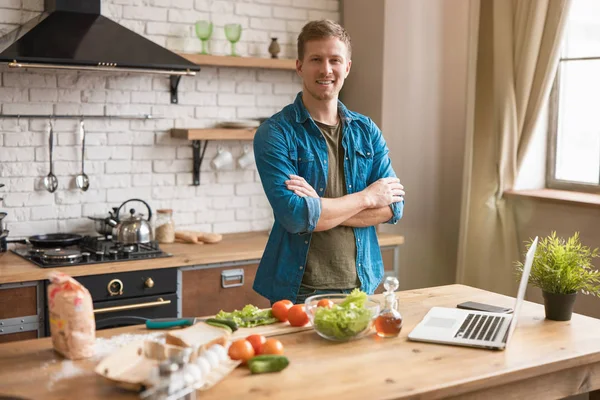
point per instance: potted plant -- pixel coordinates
(562, 268)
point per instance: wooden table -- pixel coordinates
(545, 360)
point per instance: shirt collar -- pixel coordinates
(302, 113)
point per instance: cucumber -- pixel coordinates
(222, 322)
(267, 363)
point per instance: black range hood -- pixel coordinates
(71, 34)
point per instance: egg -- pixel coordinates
(204, 365)
(212, 357)
(195, 371)
(220, 351)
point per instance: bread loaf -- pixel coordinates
(71, 313)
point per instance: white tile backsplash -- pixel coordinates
(136, 158)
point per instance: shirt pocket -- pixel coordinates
(364, 166)
(307, 165)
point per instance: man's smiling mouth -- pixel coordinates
(325, 82)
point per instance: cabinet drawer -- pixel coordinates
(207, 291)
(18, 302)
(19, 306)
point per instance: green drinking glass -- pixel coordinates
(204, 32)
(233, 32)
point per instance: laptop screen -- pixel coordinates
(522, 287)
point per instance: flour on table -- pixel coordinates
(68, 369)
(105, 346)
(102, 348)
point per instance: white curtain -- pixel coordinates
(518, 44)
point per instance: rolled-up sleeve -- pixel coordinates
(382, 167)
(272, 153)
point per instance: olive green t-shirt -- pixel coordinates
(331, 260)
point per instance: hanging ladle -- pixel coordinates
(50, 181)
(82, 180)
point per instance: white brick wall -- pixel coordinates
(135, 158)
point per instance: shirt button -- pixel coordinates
(358, 240)
(325, 162)
(368, 154)
(305, 242)
(349, 186)
(358, 265)
(301, 267)
(346, 158)
(320, 189)
(299, 159)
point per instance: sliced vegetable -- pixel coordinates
(267, 363)
(248, 316)
(230, 324)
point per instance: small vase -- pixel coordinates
(274, 48)
(559, 306)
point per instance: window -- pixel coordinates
(574, 135)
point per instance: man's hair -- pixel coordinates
(323, 29)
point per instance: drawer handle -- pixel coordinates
(159, 302)
(235, 275)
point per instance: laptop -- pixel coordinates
(461, 327)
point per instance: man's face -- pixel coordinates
(324, 67)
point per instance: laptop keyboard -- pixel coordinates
(480, 327)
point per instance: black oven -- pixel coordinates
(129, 298)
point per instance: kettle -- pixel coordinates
(133, 229)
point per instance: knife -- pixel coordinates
(166, 323)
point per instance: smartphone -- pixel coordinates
(473, 305)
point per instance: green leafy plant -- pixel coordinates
(563, 267)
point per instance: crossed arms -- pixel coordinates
(297, 206)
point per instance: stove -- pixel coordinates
(90, 250)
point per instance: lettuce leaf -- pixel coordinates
(346, 319)
(248, 316)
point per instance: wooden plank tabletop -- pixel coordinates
(545, 359)
(233, 247)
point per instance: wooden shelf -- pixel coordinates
(213, 134)
(244, 62)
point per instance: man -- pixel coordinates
(328, 178)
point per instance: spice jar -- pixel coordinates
(164, 226)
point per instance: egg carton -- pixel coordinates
(136, 366)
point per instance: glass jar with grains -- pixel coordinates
(164, 226)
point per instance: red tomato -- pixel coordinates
(297, 316)
(257, 342)
(280, 309)
(273, 346)
(325, 303)
(241, 350)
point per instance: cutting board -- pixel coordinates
(279, 328)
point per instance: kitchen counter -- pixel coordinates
(233, 247)
(545, 359)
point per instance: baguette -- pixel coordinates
(186, 237)
(209, 237)
(205, 237)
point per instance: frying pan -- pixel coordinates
(51, 240)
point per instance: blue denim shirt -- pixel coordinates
(291, 143)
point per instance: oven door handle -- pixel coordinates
(159, 302)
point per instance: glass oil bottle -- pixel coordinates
(389, 321)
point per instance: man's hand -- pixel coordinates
(384, 192)
(299, 186)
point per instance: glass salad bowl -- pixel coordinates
(342, 317)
